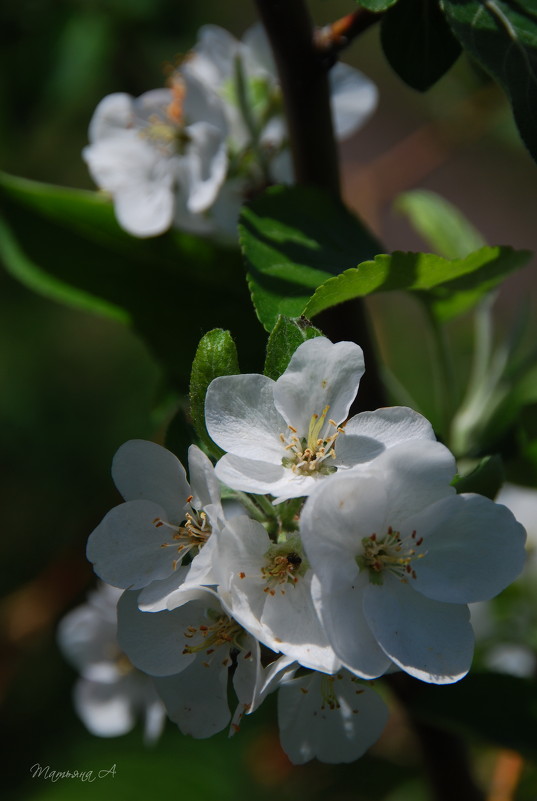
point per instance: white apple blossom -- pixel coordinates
(164, 518)
(222, 63)
(331, 718)
(505, 627)
(190, 649)
(267, 588)
(283, 436)
(244, 76)
(111, 692)
(162, 156)
(398, 555)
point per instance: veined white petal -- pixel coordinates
(127, 548)
(473, 549)
(340, 609)
(241, 417)
(432, 641)
(333, 718)
(143, 469)
(196, 698)
(368, 434)
(204, 165)
(320, 374)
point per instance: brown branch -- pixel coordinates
(333, 38)
(303, 73)
(304, 81)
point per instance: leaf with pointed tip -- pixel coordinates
(502, 36)
(418, 42)
(449, 286)
(293, 239)
(377, 5)
(216, 355)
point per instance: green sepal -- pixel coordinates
(286, 336)
(486, 478)
(216, 355)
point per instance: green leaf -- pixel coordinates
(418, 42)
(66, 244)
(450, 286)
(502, 36)
(294, 239)
(216, 355)
(445, 229)
(486, 478)
(497, 708)
(286, 336)
(377, 5)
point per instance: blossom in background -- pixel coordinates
(164, 518)
(190, 155)
(110, 693)
(398, 555)
(162, 156)
(243, 73)
(283, 436)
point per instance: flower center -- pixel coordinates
(390, 553)
(284, 564)
(308, 455)
(165, 129)
(222, 631)
(192, 533)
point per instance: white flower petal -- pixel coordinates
(368, 434)
(241, 417)
(85, 637)
(320, 374)
(203, 482)
(345, 509)
(154, 597)
(432, 641)
(146, 209)
(333, 718)
(340, 609)
(196, 698)
(143, 469)
(257, 51)
(353, 98)
(155, 641)
(113, 114)
(106, 710)
(250, 475)
(416, 473)
(126, 547)
(204, 165)
(211, 60)
(473, 547)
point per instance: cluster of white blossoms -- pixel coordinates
(356, 558)
(189, 155)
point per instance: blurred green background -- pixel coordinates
(74, 386)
